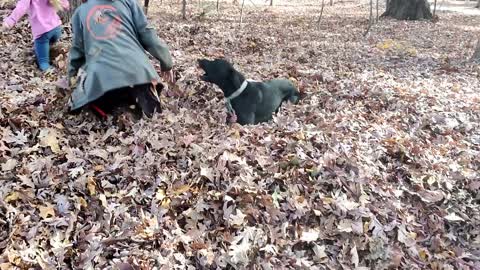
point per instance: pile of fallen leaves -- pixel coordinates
(377, 167)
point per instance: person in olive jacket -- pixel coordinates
(108, 59)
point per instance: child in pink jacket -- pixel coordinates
(45, 23)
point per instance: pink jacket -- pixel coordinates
(41, 14)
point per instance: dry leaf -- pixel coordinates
(181, 190)
(6, 266)
(91, 186)
(319, 252)
(453, 217)
(49, 138)
(354, 254)
(9, 165)
(46, 211)
(310, 236)
(430, 196)
(206, 172)
(237, 219)
(12, 197)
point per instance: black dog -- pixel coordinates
(252, 102)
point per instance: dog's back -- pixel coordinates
(272, 94)
(286, 88)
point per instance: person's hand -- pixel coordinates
(168, 76)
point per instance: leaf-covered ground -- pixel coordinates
(377, 167)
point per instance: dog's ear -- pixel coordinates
(231, 71)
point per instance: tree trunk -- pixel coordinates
(271, 2)
(370, 20)
(145, 6)
(476, 54)
(241, 12)
(184, 9)
(331, 2)
(408, 10)
(321, 12)
(478, 4)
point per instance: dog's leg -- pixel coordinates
(246, 118)
(146, 97)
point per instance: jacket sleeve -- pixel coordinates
(77, 53)
(20, 9)
(149, 39)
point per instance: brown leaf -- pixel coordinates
(47, 211)
(49, 138)
(9, 165)
(431, 196)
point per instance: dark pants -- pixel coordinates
(145, 97)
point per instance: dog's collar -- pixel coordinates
(239, 91)
(235, 94)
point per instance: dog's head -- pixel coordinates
(217, 71)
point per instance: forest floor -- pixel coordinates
(463, 7)
(377, 167)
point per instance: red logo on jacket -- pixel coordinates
(103, 22)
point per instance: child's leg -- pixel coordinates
(55, 34)
(42, 48)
